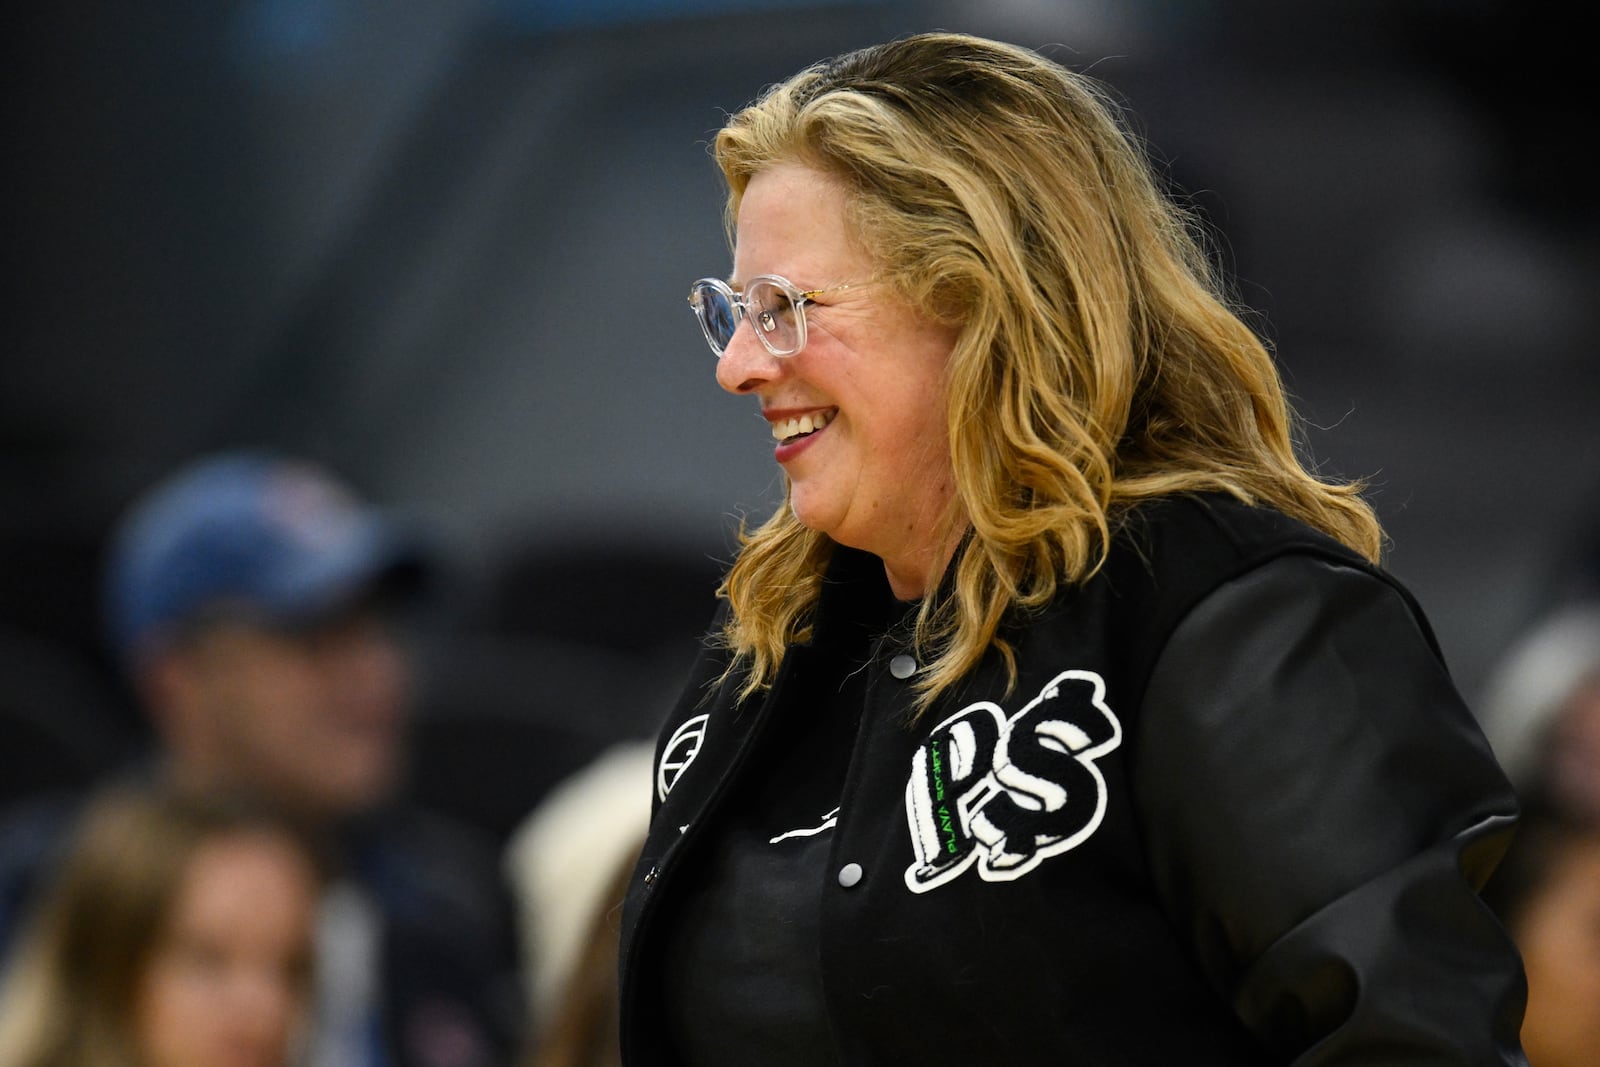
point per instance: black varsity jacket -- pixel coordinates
(1232, 812)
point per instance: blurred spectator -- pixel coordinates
(1541, 713)
(1547, 892)
(570, 862)
(179, 934)
(1541, 709)
(254, 602)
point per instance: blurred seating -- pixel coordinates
(573, 644)
(61, 727)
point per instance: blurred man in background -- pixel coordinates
(257, 606)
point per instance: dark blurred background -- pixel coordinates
(444, 246)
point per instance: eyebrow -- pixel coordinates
(737, 286)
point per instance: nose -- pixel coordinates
(365, 667)
(746, 365)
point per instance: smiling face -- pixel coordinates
(859, 413)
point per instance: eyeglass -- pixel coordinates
(775, 305)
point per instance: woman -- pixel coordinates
(179, 934)
(1547, 892)
(1059, 715)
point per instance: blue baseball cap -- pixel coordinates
(273, 538)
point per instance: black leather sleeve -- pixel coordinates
(1320, 809)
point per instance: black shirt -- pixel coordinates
(743, 980)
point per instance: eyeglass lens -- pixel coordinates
(774, 310)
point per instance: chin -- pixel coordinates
(815, 516)
(356, 794)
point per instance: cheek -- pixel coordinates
(286, 728)
(175, 1011)
(911, 383)
(275, 689)
(381, 676)
(913, 437)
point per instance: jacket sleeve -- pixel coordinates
(1320, 809)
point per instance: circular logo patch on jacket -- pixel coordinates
(680, 750)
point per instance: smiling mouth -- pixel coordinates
(786, 430)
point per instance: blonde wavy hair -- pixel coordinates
(1099, 362)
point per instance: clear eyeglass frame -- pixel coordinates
(774, 305)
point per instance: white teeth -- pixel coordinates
(784, 429)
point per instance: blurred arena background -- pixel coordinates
(444, 246)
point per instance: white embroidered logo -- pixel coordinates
(680, 750)
(1007, 793)
(829, 821)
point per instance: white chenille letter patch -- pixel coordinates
(1004, 794)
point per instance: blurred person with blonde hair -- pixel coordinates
(1059, 714)
(179, 933)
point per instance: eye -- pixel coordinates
(776, 310)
